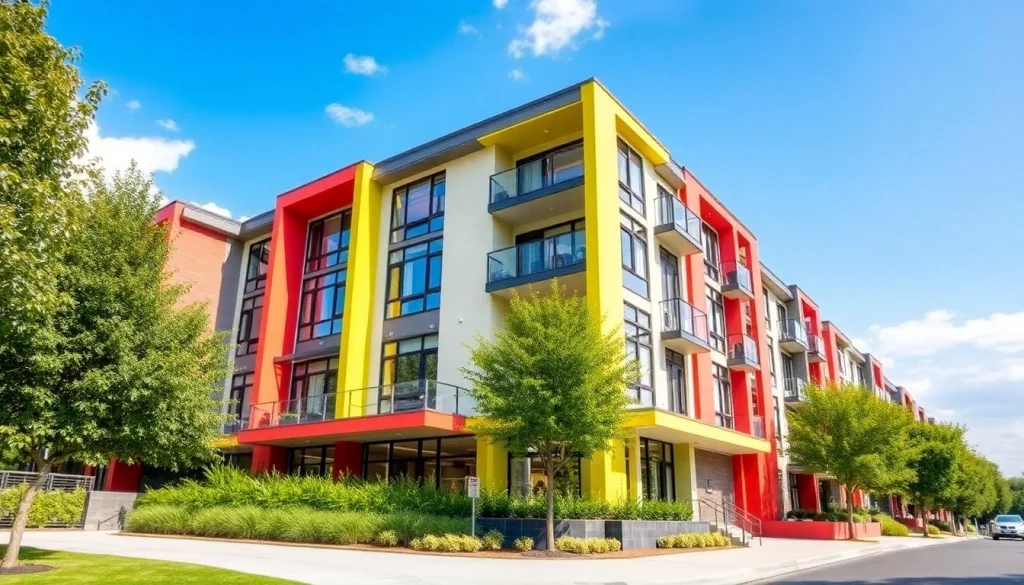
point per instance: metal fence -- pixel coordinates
(55, 482)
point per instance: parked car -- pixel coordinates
(1007, 526)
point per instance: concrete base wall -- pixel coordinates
(106, 510)
(633, 534)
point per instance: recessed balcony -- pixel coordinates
(742, 353)
(793, 391)
(684, 328)
(543, 187)
(792, 336)
(815, 349)
(678, 228)
(533, 265)
(737, 282)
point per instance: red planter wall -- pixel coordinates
(820, 530)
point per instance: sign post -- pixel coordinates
(473, 487)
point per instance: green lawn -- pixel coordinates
(79, 568)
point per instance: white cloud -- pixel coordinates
(168, 124)
(152, 154)
(499, 4)
(214, 208)
(363, 65)
(347, 116)
(517, 75)
(555, 26)
(938, 331)
(133, 105)
(243, 218)
(467, 29)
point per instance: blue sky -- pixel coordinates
(875, 148)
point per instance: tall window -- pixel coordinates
(638, 347)
(675, 370)
(418, 208)
(631, 178)
(771, 361)
(767, 311)
(634, 255)
(780, 310)
(657, 470)
(256, 268)
(712, 258)
(723, 397)
(406, 368)
(311, 461)
(323, 302)
(313, 386)
(717, 314)
(787, 366)
(778, 424)
(414, 279)
(328, 241)
(241, 395)
(248, 338)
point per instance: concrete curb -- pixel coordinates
(772, 570)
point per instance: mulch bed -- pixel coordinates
(24, 569)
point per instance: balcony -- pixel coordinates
(793, 391)
(757, 427)
(544, 187)
(792, 336)
(737, 282)
(742, 353)
(232, 428)
(684, 329)
(537, 263)
(815, 349)
(678, 228)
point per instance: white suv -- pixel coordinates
(1007, 526)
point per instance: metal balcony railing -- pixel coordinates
(793, 390)
(680, 316)
(672, 211)
(815, 345)
(737, 275)
(387, 399)
(757, 428)
(793, 330)
(537, 257)
(553, 169)
(742, 348)
(232, 427)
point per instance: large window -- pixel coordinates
(256, 268)
(441, 463)
(631, 178)
(638, 347)
(634, 255)
(527, 475)
(314, 385)
(771, 362)
(717, 314)
(414, 279)
(328, 241)
(311, 461)
(323, 302)
(657, 470)
(767, 310)
(249, 320)
(723, 397)
(418, 208)
(240, 396)
(675, 370)
(712, 258)
(778, 424)
(406, 368)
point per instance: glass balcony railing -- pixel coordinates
(794, 390)
(815, 345)
(742, 350)
(553, 169)
(737, 276)
(757, 428)
(672, 211)
(386, 399)
(793, 330)
(680, 316)
(232, 427)
(537, 257)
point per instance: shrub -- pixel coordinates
(493, 540)
(933, 530)
(695, 540)
(940, 525)
(891, 527)
(159, 520)
(60, 508)
(970, 527)
(524, 543)
(386, 538)
(584, 546)
(430, 543)
(446, 543)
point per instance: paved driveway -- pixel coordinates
(319, 566)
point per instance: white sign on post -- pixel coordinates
(473, 487)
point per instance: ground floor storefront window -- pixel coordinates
(311, 461)
(443, 462)
(657, 470)
(526, 475)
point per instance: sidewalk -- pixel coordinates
(318, 566)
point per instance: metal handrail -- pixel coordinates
(537, 257)
(792, 330)
(742, 347)
(558, 167)
(63, 482)
(815, 344)
(794, 389)
(749, 525)
(680, 316)
(672, 211)
(737, 274)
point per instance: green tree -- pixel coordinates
(552, 384)
(936, 451)
(1016, 485)
(974, 490)
(43, 119)
(126, 371)
(853, 436)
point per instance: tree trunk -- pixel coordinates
(21, 519)
(849, 514)
(924, 520)
(549, 471)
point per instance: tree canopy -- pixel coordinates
(552, 383)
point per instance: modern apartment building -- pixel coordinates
(351, 303)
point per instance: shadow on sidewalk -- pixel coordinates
(1017, 579)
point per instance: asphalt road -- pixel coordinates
(975, 562)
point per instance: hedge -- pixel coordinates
(48, 508)
(227, 487)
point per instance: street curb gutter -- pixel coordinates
(769, 571)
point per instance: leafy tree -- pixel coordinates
(42, 123)
(551, 384)
(1004, 495)
(974, 490)
(853, 436)
(937, 449)
(126, 371)
(1016, 485)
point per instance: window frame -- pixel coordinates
(323, 469)
(716, 318)
(434, 221)
(724, 417)
(636, 233)
(578, 471)
(328, 373)
(337, 316)
(400, 264)
(712, 252)
(635, 346)
(259, 279)
(665, 469)
(420, 459)
(247, 341)
(626, 193)
(316, 259)
(240, 387)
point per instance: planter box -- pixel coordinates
(820, 530)
(912, 523)
(633, 534)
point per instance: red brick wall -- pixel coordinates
(197, 259)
